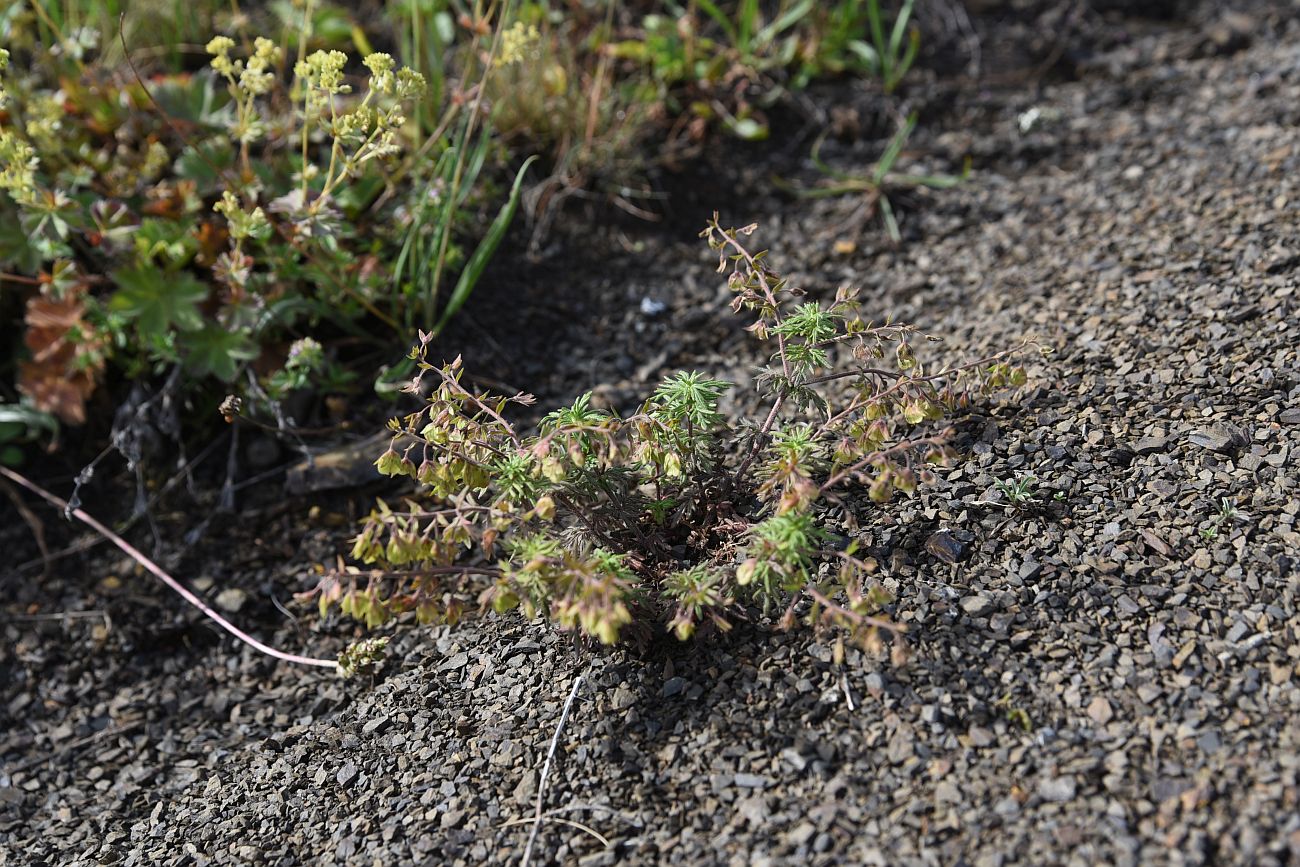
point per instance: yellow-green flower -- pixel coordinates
(517, 43)
(323, 70)
(243, 224)
(381, 67)
(257, 79)
(45, 115)
(219, 47)
(410, 83)
(18, 164)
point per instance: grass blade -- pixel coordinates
(891, 223)
(792, 16)
(721, 18)
(483, 253)
(913, 46)
(878, 38)
(900, 27)
(890, 156)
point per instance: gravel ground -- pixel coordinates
(1106, 674)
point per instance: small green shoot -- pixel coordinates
(1018, 492)
(876, 186)
(1227, 513)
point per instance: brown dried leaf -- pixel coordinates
(57, 378)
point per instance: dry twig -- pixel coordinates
(162, 576)
(546, 772)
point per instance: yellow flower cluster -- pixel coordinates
(257, 77)
(323, 71)
(253, 78)
(381, 67)
(45, 115)
(18, 165)
(156, 159)
(387, 79)
(518, 43)
(243, 224)
(247, 79)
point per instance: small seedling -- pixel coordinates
(1227, 513)
(1020, 491)
(875, 187)
(1014, 713)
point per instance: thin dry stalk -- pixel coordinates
(162, 576)
(546, 772)
(34, 524)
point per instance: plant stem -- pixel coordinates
(877, 455)
(760, 438)
(454, 190)
(158, 572)
(862, 619)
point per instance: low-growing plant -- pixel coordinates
(853, 36)
(20, 424)
(1227, 514)
(876, 186)
(1017, 491)
(672, 515)
(1015, 713)
(203, 292)
(220, 223)
(892, 48)
(725, 62)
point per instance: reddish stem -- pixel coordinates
(164, 577)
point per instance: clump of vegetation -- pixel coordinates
(722, 63)
(1226, 515)
(363, 657)
(607, 93)
(672, 516)
(1018, 491)
(241, 222)
(192, 211)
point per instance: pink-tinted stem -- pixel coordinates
(164, 577)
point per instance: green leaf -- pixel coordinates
(16, 250)
(892, 151)
(792, 16)
(900, 28)
(158, 302)
(913, 45)
(169, 243)
(205, 162)
(891, 222)
(15, 417)
(723, 20)
(444, 27)
(868, 55)
(478, 262)
(193, 99)
(214, 351)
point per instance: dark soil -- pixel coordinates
(1108, 674)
